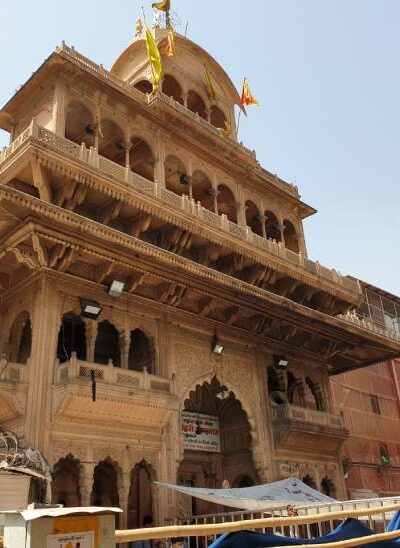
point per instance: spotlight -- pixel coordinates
(223, 395)
(216, 346)
(183, 179)
(116, 288)
(90, 309)
(281, 362)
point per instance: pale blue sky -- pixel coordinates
(326, 74)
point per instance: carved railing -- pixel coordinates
(108, 374)
(353, 318)
(304, 415)
(14, 372)
(176, 202)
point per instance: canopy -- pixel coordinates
(259, 497)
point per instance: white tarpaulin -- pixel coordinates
(259, 497)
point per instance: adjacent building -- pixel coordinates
(160, 316)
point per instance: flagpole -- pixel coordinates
(238, 123)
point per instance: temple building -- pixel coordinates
(160, 317)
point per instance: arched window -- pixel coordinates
(71, 338)
(253, 217)
(202, 189)
(290, 236)
(20, 340)
(176, 177)
(107, 344)
(171, 87)
(144, 86)
(141, 158)
(140, 352)
(308, 480)
(328, 487)
(79, 124)
(65, 485)
(227, 203)
(272, 226)
(294, 390)
(313, 395)
(243, 481)
(196, 104)
(112, 142)
(218, 118)
(105, 486)
(140, 503)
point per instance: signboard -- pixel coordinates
(71, 540)
(200, 432)
(288, 469)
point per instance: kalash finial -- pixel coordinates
(139, 28)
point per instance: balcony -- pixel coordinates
(314, 431)
(91, 391)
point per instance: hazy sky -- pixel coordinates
(326, 74)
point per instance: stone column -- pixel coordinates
(91, 335)
(124, 344)
(124, 499)
(86, 483)
(160, 161)
(59, 107)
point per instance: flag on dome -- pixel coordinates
(212, 94)
(247, 99)
(165, 5)
(155, 59)
(169, 48)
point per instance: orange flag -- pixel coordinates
(247, 98)
(169, 48)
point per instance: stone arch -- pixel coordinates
(313, 395)
(272, 230)
(71, 338)
(328, 487)
(172, 88)
(243, 480)
(141, 158)
(112, 141)
(141, 496)
(107, 346)
(227, 202)
(65, 487)
(290, 236)
(295, 392)
(20, 338)
(202, 189)
(310, 481)
(141, 351)
(218, 118)
(253, 217)
(144, 86)
(80, 123)
(106, 485)
(176, 176)
(196, 104)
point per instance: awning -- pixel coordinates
(259, 497)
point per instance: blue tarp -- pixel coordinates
(348, 529)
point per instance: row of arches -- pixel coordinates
(192, 100)
(285, 386)
(326, 486)
(105, 487)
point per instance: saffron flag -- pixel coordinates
(212, 94)
(165, 5)
(169, 48)
(155, 59)
(247, 98)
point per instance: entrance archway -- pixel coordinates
(140, 503)
(209, 409)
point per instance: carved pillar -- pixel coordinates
(91, 335)
(59, 104)
(185, 98)
(124, 344)
(86, 482)
(127, 147)
(160, 161)
(281, 231)
(124, 499)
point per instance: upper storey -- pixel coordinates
(184, 78)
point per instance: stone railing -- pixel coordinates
(184, 203)
(352, 317)
(304, 415)
(13, 372)
(108, 374)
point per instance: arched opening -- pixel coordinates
(71, 338)
(227, 203)
(140, 502)
(218, 118)
(20, 339)
(217, 441)
(141, 158)
(202, 189)
(290, 236)
(65, 488)
(313, 395)
(140, 352)
(105, 486)
(196, 104)
(294, 390)
(243, 481)
(253, 217)
(79, 124)
(144, 86)
(107, 344)
(328, 487)
(171, 88)
(112, 142)
(176, 177)
(272, 226)
(308, 480)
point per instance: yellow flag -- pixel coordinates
(165, 5)
(212, 94)
(247, 98)
(169, 48)
(155, 59)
